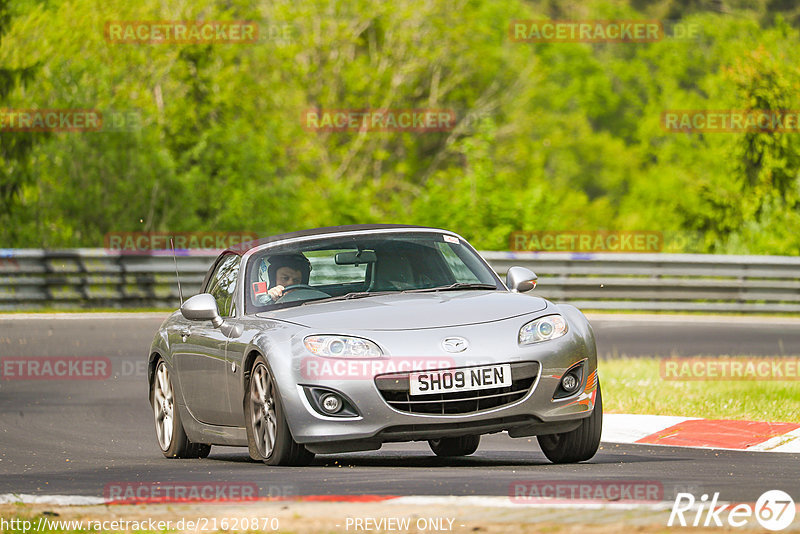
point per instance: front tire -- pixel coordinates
(578, 445)
(268, 436)
(461, 446)
(171, 436)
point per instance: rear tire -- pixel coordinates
(578, 445)
(461, 446)
(171, 436)
(268, 436)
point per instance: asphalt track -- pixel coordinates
(76, 437)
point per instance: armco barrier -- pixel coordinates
(90, 278)
(662, 282)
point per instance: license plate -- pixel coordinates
(467, 379)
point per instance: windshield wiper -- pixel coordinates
(350, 296)
(451, 287)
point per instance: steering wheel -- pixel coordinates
(300, 292)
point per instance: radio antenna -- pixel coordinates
(178, 276)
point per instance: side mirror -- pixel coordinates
(520, 279)
(202, 307)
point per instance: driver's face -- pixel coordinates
(286, 276)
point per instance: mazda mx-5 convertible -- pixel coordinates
(344, 338)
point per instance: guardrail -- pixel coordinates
(662, 282)
(91, 278)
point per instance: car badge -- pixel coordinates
(455, 344)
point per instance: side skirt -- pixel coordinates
(212, 434)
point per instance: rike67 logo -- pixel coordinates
(774, 510)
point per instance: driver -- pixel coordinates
(283, 270)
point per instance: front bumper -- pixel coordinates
(534, 413)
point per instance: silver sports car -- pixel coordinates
(344, 338)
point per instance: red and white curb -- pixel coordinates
(493, 501)
(54, 500)
(701, 433)
(80, 500)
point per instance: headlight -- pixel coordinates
(342, 347)
(542, 329)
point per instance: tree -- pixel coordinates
(15, 147)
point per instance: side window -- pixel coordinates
(222, 284)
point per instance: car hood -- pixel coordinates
(410, 311)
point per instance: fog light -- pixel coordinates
(330, 403)
(570, 383)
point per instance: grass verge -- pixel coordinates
(635, 385)
(332, 517)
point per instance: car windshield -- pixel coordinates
(339, 268)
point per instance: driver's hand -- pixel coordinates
(275, 293)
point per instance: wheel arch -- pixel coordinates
(152, 363)
(247, 366)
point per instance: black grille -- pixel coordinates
(395, 391)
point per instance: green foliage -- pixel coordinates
(549, 136)
(14, 147)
